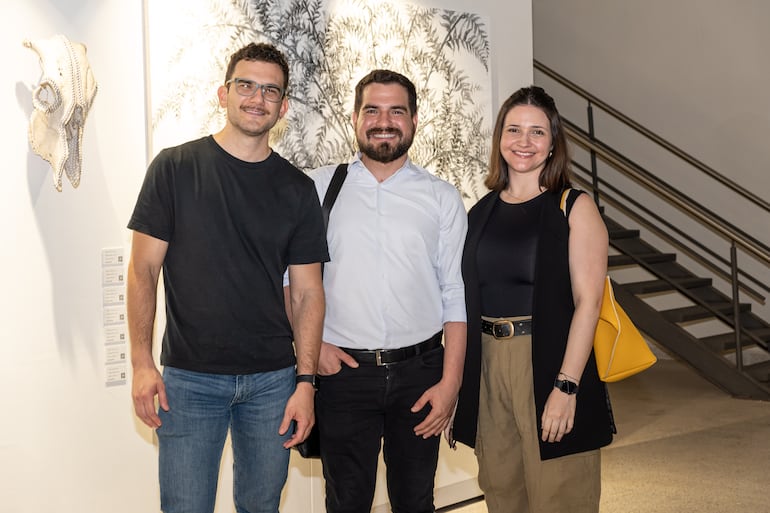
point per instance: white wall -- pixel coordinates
(68, 443)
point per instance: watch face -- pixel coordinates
(568, 387)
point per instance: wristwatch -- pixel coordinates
(566, 386)
(307, 378)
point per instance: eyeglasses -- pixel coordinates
(244, 87)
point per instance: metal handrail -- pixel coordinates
(652, 183)
(653, 222)
(654, 137)
(708, 218)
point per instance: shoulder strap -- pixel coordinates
(334, 189)
(568, 198)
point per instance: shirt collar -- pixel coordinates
(357, 165)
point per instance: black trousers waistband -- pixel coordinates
(504, 329)
(381, 357)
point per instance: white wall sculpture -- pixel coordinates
(61, 100)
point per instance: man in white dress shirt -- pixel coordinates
(393, 290)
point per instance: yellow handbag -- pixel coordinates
(619, 348)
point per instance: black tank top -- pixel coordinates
(506, 258)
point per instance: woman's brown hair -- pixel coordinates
(555, 176)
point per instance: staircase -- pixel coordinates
(709, 355)
(667, 301)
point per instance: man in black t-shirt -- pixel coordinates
(223, 217)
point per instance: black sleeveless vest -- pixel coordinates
(552, 311)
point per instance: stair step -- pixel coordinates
(650, 286)
(726, 341)
(650, 258)
(759, 371)
(623, 234)
(708, 355)
(697, 312)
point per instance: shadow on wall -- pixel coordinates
(73, 225)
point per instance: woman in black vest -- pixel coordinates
(532, 403)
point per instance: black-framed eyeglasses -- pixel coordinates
(245, 87)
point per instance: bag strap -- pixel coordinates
(568, 198)
(334, 189)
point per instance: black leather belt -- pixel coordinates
(504, 329)
(381, 357)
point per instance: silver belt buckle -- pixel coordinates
(499, 332)
(378, 357)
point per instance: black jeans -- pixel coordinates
(357, 409)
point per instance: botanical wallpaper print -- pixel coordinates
(330, 45)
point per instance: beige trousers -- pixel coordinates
(511, 474)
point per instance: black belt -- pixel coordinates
(381, 357)
(504, 329)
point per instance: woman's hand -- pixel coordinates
(558, 415)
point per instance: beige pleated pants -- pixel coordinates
(511, 474)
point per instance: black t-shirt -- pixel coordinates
(506, 256)
(232, 229)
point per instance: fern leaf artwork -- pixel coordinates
(330, 45)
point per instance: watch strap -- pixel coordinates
(307, 378)
(566, 386)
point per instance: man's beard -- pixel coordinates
(383, 151)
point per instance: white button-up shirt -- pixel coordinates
(394, 277)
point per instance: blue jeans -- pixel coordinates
(359, 409)
(202, 407)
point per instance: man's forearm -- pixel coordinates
(308, 316)
(455, 334)
(141, 297)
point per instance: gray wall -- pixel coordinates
(694, 71)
